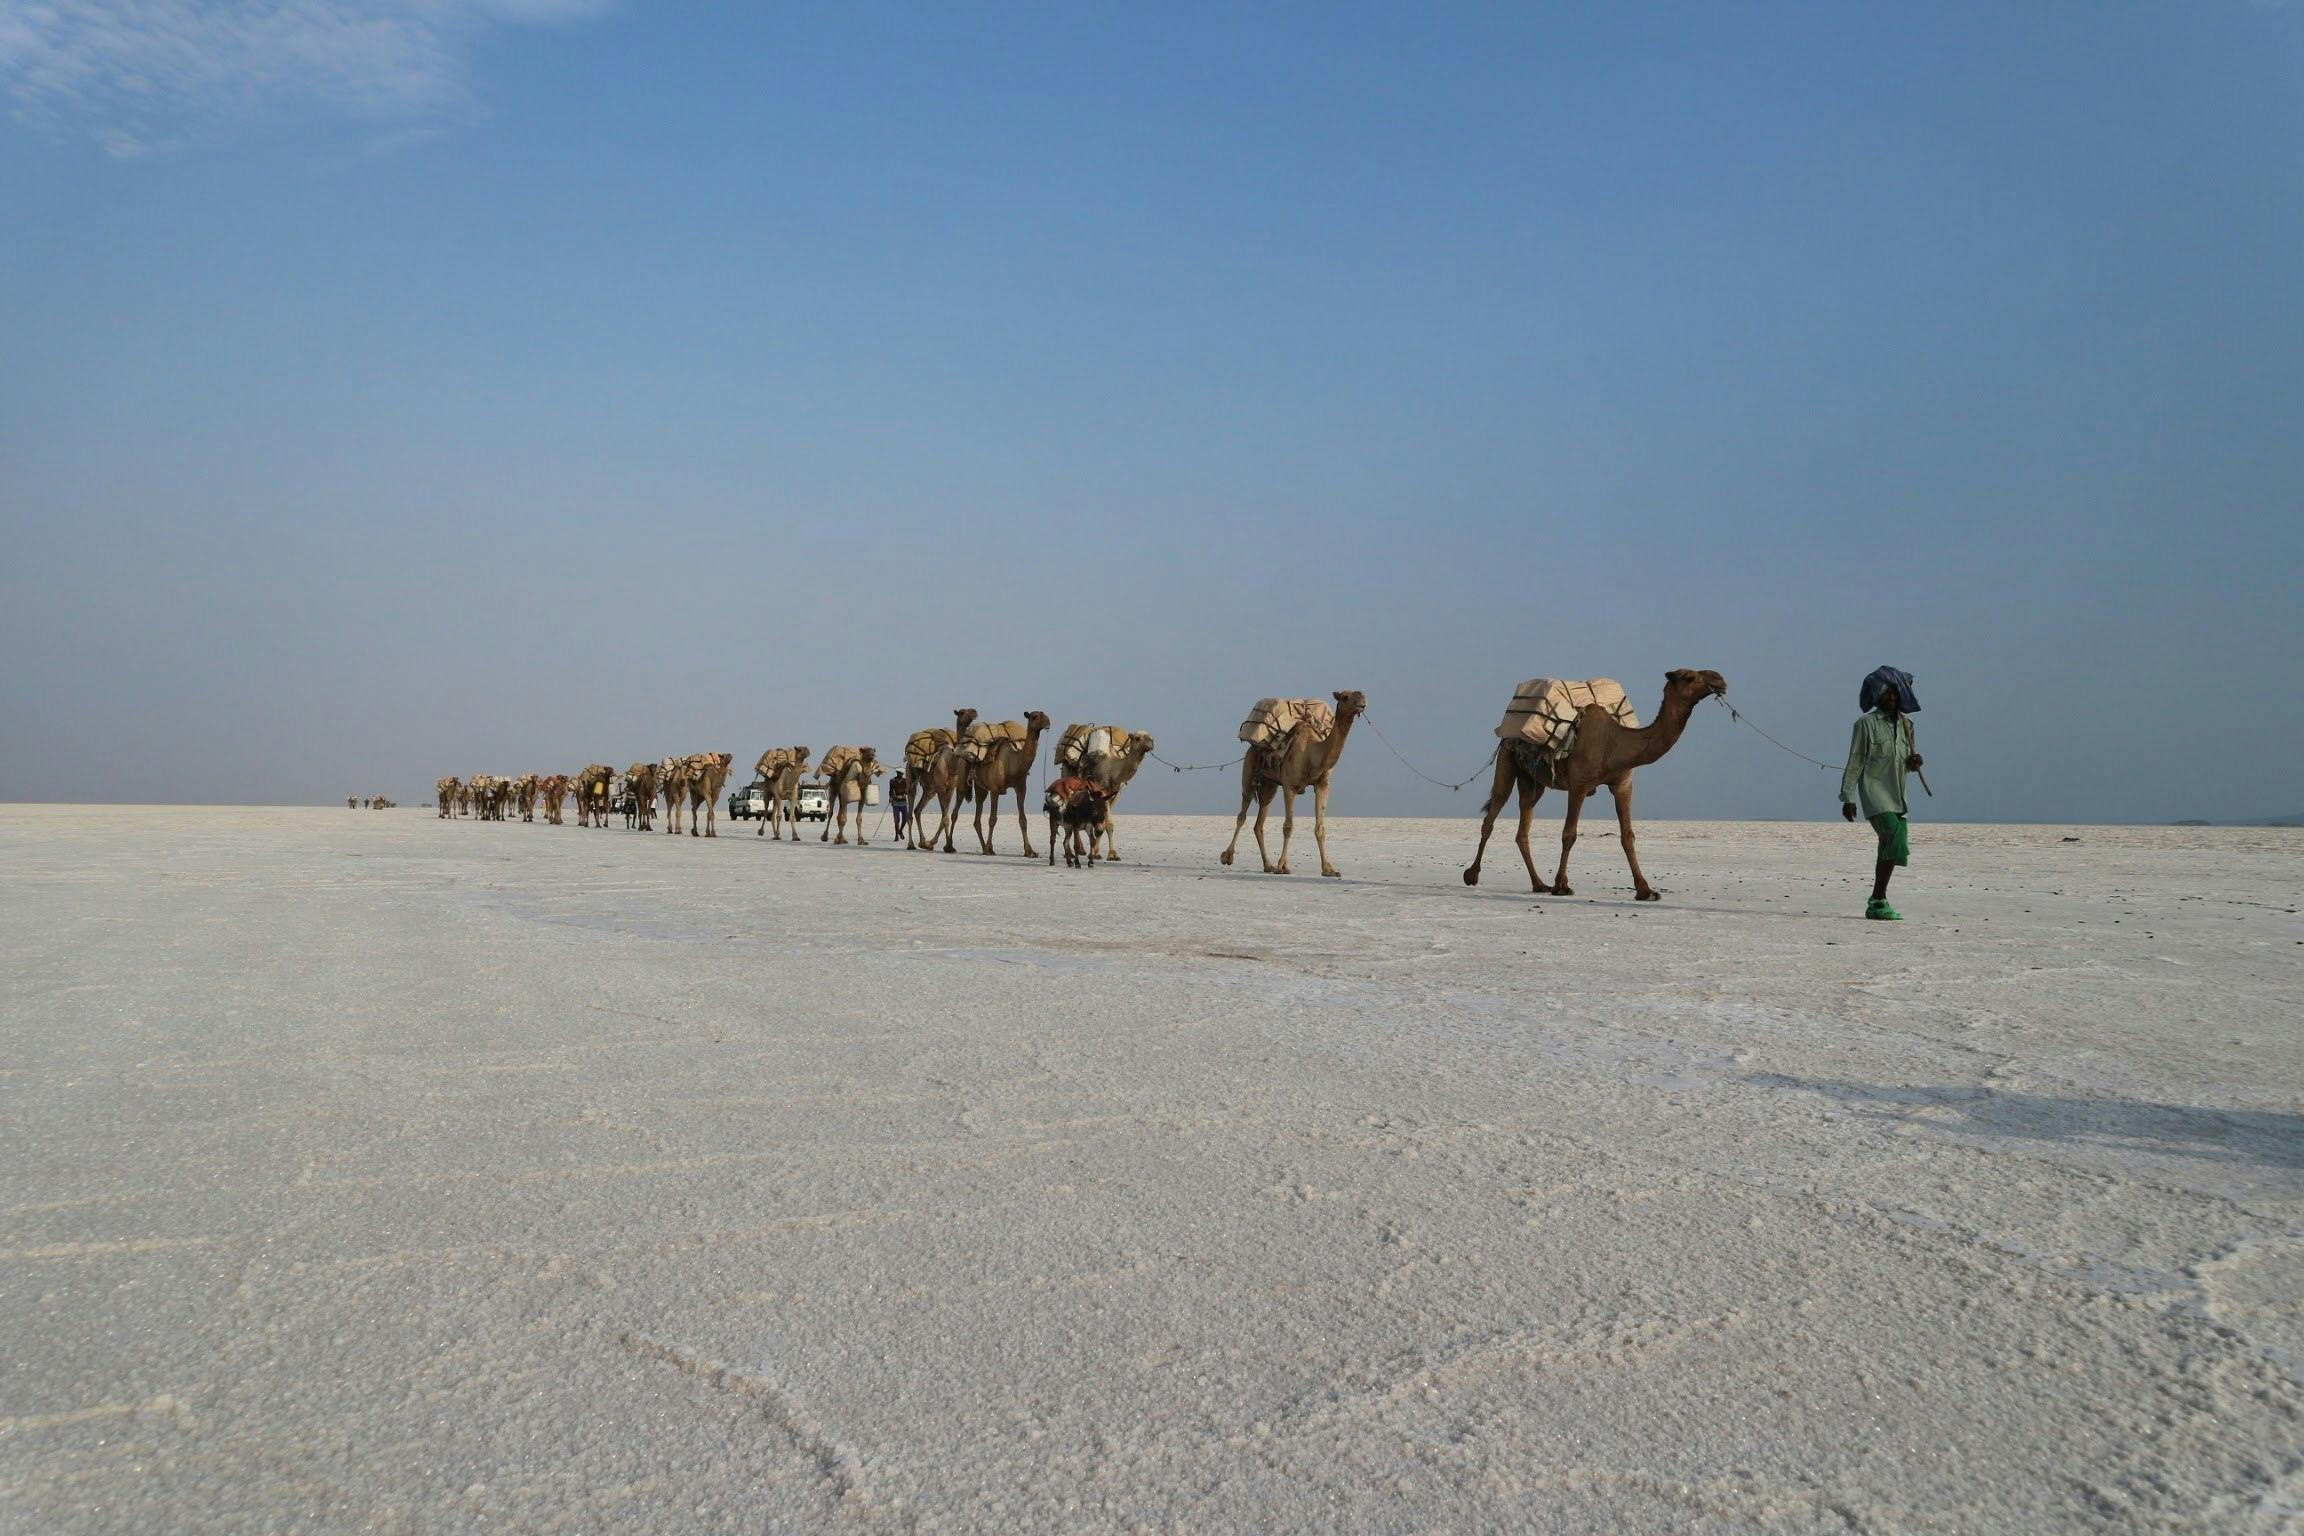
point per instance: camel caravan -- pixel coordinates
(1572, 736)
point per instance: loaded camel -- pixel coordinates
(1108, 757)
(524, 795)
(707, 774)
(552, 795)
(445, 792)
(672, 783)
(1000, 759)
(640, 796)
(592, 799)
(1289, 762)
(848, 772)
(781, 769)
(1602, 749)
(935, 770)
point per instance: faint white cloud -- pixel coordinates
(133, 72)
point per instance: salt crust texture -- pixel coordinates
(364, 1172)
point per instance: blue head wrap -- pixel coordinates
(1883, 681)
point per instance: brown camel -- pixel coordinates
(1000, 759)
(1109, 757)
(524, 795)
(672, 783)
(1289, 764)
(640, 780)
(592, 794)
(552, 795)
(707, 776)
(846, 770)
(486, 805)
(781, 769)
(445, 792)
(935, 770)
(1602, 750)
(466, 798)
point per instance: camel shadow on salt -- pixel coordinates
(1447, 883)
(2261, 1138)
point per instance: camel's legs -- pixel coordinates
(1505, 776)
(860, 839)
(1320, 826)
(1531, 791)
(1247, 793)
(1621, 792)
(1287, 826)
(1024, 824)
(1576, 798)
(944, 807)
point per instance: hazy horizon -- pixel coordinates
(403, 389)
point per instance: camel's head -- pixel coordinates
(1350, 702)
(1036, 719)
(962, 719)
(1141, 743)
(1695, 684)
(870, 758)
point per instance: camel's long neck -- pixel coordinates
(1336, 739)
(1658, 738)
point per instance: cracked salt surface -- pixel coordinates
(368, 1173)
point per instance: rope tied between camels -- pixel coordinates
(1420, 773)
(1194, 767)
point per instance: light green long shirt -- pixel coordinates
(1873, 781)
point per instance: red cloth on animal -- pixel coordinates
(1072, 789)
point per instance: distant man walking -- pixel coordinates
(1880, 753)
(899, 800)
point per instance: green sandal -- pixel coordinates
(1880, 911)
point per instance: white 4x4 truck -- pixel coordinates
(813, 803)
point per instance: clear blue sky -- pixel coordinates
(391, 388)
